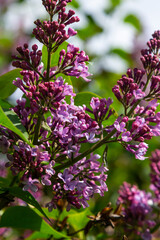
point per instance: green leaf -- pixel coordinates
(46, 127)
(4, 182)
(16, 121)
(78, 220)
(90, 30)
(25, 218)
(38, 235)
(54, 56)
(6, 122)
(84, 98)
(27, 197)
(5, 42)
(115, 2)
(112, 6)
(54, 214)
(122, 53)
(134, 21)
(5, 104)
(6, 85)
(74, 3)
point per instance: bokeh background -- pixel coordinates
(112, 32)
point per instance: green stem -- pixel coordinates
(136, 103)
(49, 48)
(72, 234)
(37, 128)
(87, 152)
(48, 61)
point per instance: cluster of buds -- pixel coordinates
(53, 33)
(27, 60)
(129, 88)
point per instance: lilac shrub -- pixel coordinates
(58, 129)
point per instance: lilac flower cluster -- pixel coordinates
(141, 209)
(57, 128)
(131, 89)
(137, 210)
(79, 182)
(30, 161)
(53, 32)
(155, 174)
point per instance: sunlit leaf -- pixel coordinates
(78, 220)
(74, 3)
(5, 105)
(6, 85)
(25, 218)
(38, 235)
(84, 98)
(16, 121)
(54, 56)
(6, 122)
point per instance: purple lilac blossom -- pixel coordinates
(100, 108)
(137, 211)
(72, 62)
(155, 174)
(78, 183)
(29, 161)
(130, 87)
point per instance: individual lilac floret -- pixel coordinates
(155, 174)
(78, 183)
(30, 184)
(137, 211)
